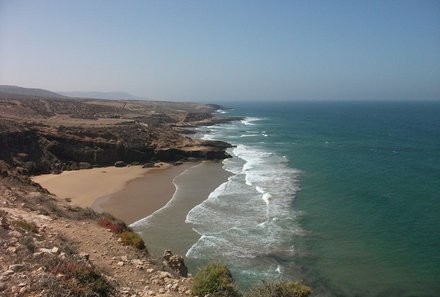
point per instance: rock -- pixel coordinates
(85, 256)
(124, 258)
(12, 249)
(148, 165)
(4, 223)
(8, 272)
(16, 267)
(14, 233)
(120, 164)
(2, 286)
(120, 263)
(84, 165)
(175, 262)
(55, 250)
(175, 287)
(136, 262)
(164, 274)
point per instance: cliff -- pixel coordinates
(39, 135)
(49, 247)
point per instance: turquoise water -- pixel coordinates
(345, 195)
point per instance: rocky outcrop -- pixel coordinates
(52, 135)
(175, 263)
(43, 149)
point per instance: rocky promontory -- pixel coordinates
(41, 135)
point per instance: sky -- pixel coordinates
(225, 50)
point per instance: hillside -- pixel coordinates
(41, 134)
(102, 95)
(14, 90)
(48, 246)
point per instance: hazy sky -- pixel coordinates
(225, 50)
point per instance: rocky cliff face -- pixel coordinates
(52, 142)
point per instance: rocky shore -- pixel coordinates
(50, 247)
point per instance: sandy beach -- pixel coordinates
(128, 193)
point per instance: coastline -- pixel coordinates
(129, 193)
(167, 227)
(142, 196)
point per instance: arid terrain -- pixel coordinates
(50, 247)
(46, 134)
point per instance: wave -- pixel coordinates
(249, 121)
(145, 221)
(250, 218)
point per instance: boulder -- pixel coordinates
(175, 262)
(84, 165)
(120, 164)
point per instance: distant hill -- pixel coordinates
(102, 95)
(28, 91)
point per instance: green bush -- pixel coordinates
(216, 280)
(71, 278)
(280, 289)
(133, 239)
(27, 226)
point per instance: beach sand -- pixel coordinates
(166, 228)
(142, 196)
(128, 193)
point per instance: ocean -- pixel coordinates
(342, 195)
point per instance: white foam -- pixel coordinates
(248, 135)
(249, 121)
(267, 197)
(251, 214)
(145, 221)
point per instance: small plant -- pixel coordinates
(28, 243)
(216, 280)
(27, 226)
(114, 226)
(280, 289)
(133, 239)
(110, 222)
(75, 279)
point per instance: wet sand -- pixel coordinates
(142, 196)
(166, 228)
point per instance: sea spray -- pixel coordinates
(248, 222)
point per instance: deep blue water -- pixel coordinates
(345, 195)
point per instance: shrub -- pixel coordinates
(115, 225)
(28, 242)
(78, 280)
(280, 289)
(133, 239)
(27, 226)
(216, 280)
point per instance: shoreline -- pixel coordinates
(142, 196)
(129, 193)
(167, 228)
